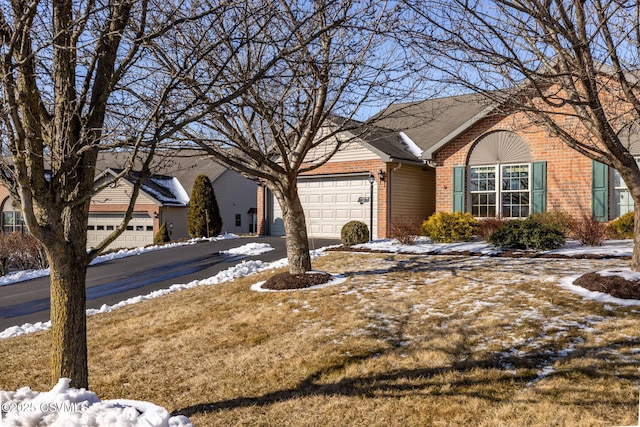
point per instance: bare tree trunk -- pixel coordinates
(296, 231)
(635, 258)
(68, 314)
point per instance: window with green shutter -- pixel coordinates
(538, 187)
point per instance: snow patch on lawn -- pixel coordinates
(423, 245)
(66, 406)
(567, 283)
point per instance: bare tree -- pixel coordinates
(557, 61)
(297, 118)
(82, 77)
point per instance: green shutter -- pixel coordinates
(600, 191)
(538, 187)
(458, 188)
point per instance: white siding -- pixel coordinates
(349, 151)
(235, 195)
(120, 195)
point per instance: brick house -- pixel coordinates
(381, 163)
(476, 157)
(491, 162)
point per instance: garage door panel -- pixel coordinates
(342, 214)
(314, 198)
(328, 214)
(342, 198)
(139, 232)
(329, 203)
(314, 214)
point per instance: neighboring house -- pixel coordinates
(379, 162)
(163, 197)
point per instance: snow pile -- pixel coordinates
(65, 406)
(250, 249)
(411, 146)
(242, 269)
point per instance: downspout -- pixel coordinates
(390, 198)
(266, 214)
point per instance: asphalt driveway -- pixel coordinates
(120, 279)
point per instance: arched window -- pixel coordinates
(12, 219)
(500, 176)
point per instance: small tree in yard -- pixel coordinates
(78, 78)
(204, 215)
(295, 120)
(162, 236)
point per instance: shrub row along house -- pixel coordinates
(452, 154)
(164, 198)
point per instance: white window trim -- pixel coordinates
(498, 186)
(618, 189)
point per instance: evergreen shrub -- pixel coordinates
(556, 218)
(529, 233)
(203, 219)
(446, 227)
(622, 227)
(162, 235)
(354, 232)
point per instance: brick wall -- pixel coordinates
(568, 172)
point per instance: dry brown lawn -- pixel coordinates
(405, 341)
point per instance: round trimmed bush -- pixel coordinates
(354, 232)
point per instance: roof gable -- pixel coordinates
(432, 123)
(389, 145)
(165, 190)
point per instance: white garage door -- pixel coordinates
(139, 232)
(329, 203)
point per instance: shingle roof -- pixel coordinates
(386, 143)
(429, 121)
(185, 166)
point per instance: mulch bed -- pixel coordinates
(615, 286)
(288, 281)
